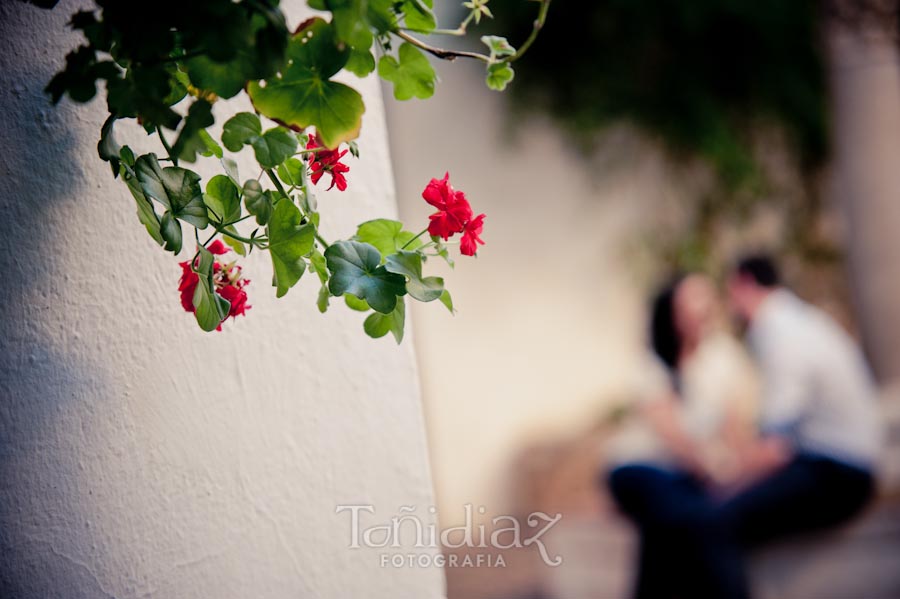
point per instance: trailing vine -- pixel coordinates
(165, 63)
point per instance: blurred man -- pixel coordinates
(813, 465)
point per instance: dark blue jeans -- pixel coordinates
(693, 546)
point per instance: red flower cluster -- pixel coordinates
(454, 215)
(226, 279)
(327, 161)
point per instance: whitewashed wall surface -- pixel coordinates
(140, 457)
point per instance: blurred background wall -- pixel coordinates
(636, 139)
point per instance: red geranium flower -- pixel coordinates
(327, 161)
(227, 282)
(453, 208)
(468, 245)
(217, 248)
(454, 215)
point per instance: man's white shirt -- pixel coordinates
(817, 389)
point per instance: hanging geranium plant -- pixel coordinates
(165, 63)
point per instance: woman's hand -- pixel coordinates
(663, 417)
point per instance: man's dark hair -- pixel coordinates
(760, 268)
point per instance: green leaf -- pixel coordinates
(499, 75)
(218, 77)
(361, 62)
(274, 146)
(380, 14)
(317, 264)
(126, 154)
(271, 148)
(498, 45)
(412, 76)
(231, 169)
(237, 246)
(303, 95)
(354, 303)
(323, 299)
(146, 214)
(386, 235)
(210, 308)
(190, 142)
(289, 242)
(238, 49)
(378, 325)
(350, 24)
(291, 172)
(170, 229)
(356, 268)
(175, 188)
(107, 147)
(258, 202)
(239, 130)
(223, 199)
(447, 301)
(409, 264)
(210, 146)
(419, 16)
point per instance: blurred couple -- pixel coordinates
(720, 464)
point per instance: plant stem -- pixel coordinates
(324, 243)
(166, 145)
(461, 30)
(440, 52)
(240, 238)
(538, 25)
(278, 185)
(422, 232)
(234, 222)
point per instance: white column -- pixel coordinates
(140, 457)
(865, 78)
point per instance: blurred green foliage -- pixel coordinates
(698, 74)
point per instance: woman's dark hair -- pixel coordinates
(663, 334)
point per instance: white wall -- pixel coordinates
(140, 457)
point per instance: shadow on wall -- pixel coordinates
(39, 379)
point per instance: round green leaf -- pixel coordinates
(419, 16)
(257, 201)
(274, 146)
(170, 229)
(302, 95)
(356, 269)
(239, 130)
(386, 235)
(291, 172)
(378, 325)
(499, 75)
(146, 214)
(289, 242)
(412, 75)
(175, 188)
(223, 199)
(356, 304)
(409, 264)
(210, 308)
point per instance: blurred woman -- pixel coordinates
(667, 464)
